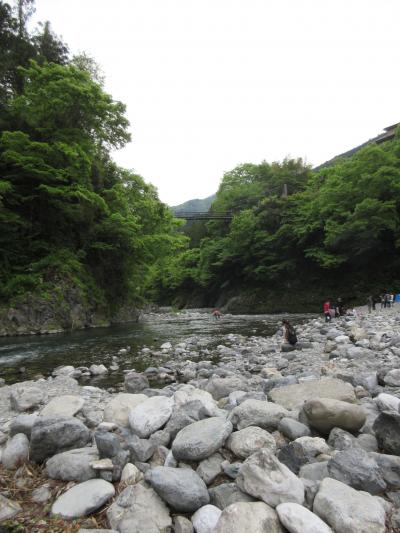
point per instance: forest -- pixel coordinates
(78, 230)
(75, 229)
(297, 236)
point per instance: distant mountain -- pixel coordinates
(195, 205)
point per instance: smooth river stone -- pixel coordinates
(117, 410)
(325, 414)
(181, 488)
(293, 396)
(265, 477)
(257, 517)
(249, 440)
(150, 415)
(83, 499)
(348, 510)
(201, 439)
(298, 519)
(67, 405)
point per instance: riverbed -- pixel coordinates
(28, 356)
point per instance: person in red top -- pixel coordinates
(327, 311)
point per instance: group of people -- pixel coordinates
(386, 300)
(333, 309)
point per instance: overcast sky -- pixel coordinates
(210, 84)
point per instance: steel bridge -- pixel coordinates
(203, 215)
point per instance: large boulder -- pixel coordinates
(298, 519)
(150, 415)
(16, 451)
(118, 408)
(357, 468)
(324, 414)
(387, 432)
(181, 488)
(55, 434)
(135, 382)
(256, 517)
(83, 499)
(201, 439)
(259, 413)
(73, 465)
(139, 509)
(66, 405)
(249, 440)
(347, 510)
(265, 477)
(24, 398)
(220, 387)
(294, 396)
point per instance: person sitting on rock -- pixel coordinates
(289, 333)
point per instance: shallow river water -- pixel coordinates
(23, 357)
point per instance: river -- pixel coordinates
(25, 357)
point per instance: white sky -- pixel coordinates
(210, 84)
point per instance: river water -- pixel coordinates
(25, 357)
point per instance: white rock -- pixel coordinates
(263, 476)
(150, 415)
(16, 452)
(66, 405)
(188, 393)
(348, 510)
(131, 474)
(257, 413)
(138, 509)
(387, 402)
(249, 440)
(392, 378)
(298, 519)
(65, 370)
(205, 519)
(8, 508)
(166, 346)
(24, 398)
(97, 370)
(118, 409)
(342, 339)
(248, 517)
(83, 499)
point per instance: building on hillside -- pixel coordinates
(387, 135)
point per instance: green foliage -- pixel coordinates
(70, 219)
(342, 222)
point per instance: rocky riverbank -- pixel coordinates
(248, 436)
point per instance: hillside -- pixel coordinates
(195, 205)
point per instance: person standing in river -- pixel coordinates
(327, 310)
(216, 313)
(370, 303)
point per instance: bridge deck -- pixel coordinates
(202, 215)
